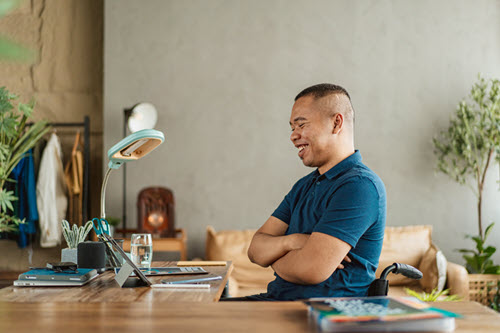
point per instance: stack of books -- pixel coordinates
(44, 277)
(376, 314)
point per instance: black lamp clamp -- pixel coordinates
(380, 286)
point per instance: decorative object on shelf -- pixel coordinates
(156, 211)
(466, 150)
(73, 236)
(15, 140)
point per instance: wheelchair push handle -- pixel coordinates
(403, 269)
(380, 287)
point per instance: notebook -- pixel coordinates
(46, 274)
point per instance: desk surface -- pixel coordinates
(275, 317)
(104, 289)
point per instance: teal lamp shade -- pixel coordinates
(134, 147)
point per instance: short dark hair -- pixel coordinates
(326, 89)
(322, 90)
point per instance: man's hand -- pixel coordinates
(340, 266)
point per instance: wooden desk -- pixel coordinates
(275, 317)
(104, 289)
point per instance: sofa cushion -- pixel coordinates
(233, 245)
(406, 245)
(433, 266)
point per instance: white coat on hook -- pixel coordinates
(51, 193)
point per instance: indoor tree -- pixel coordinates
(466, 151)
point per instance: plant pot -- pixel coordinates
(69, 255)
(483, 287)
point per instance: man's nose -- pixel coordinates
(294, 136)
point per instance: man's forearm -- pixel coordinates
(292, 269)
(266, 249)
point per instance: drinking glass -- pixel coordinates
(141, 250)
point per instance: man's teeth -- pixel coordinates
(301, 148)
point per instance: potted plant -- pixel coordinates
(15, 140)
(113, 223)
(73, 236)
(465, 152)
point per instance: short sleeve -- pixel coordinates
(284, 210)
(352, 209)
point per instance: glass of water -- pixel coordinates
(141, 250)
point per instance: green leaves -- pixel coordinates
(434, 295)
(75, 235)
(464, 148)
(10, 50)
(6, 198)
(8, 5)
(479, 260)
(15, 140)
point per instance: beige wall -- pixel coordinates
(223, 75)
(65, 80)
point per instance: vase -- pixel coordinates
(69, 255)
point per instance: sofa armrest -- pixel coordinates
(457, 280)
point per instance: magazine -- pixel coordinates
(372, 314)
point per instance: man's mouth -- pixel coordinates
(302, 150)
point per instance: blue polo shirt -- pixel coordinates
(347, 202)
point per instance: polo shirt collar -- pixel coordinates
(344, 165)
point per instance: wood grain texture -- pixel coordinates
(275, 317)
(104, 289)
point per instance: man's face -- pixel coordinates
(312, 132)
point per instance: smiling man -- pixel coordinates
(325, 237)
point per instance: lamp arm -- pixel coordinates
(103, 193)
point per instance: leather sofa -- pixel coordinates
(409, 244)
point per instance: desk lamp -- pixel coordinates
(133, 147)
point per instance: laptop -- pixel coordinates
(130, 276)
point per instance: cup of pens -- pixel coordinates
(141, 250)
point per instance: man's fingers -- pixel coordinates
(340, 266)
(347, 259)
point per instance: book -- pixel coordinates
(45, 274)
(376, 314)
(51, 283)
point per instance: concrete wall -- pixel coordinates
(65, 80)
(223, 75)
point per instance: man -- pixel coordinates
(325, 237)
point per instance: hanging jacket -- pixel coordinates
(26, 206)
(51, 193)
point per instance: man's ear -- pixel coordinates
(338, 123)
